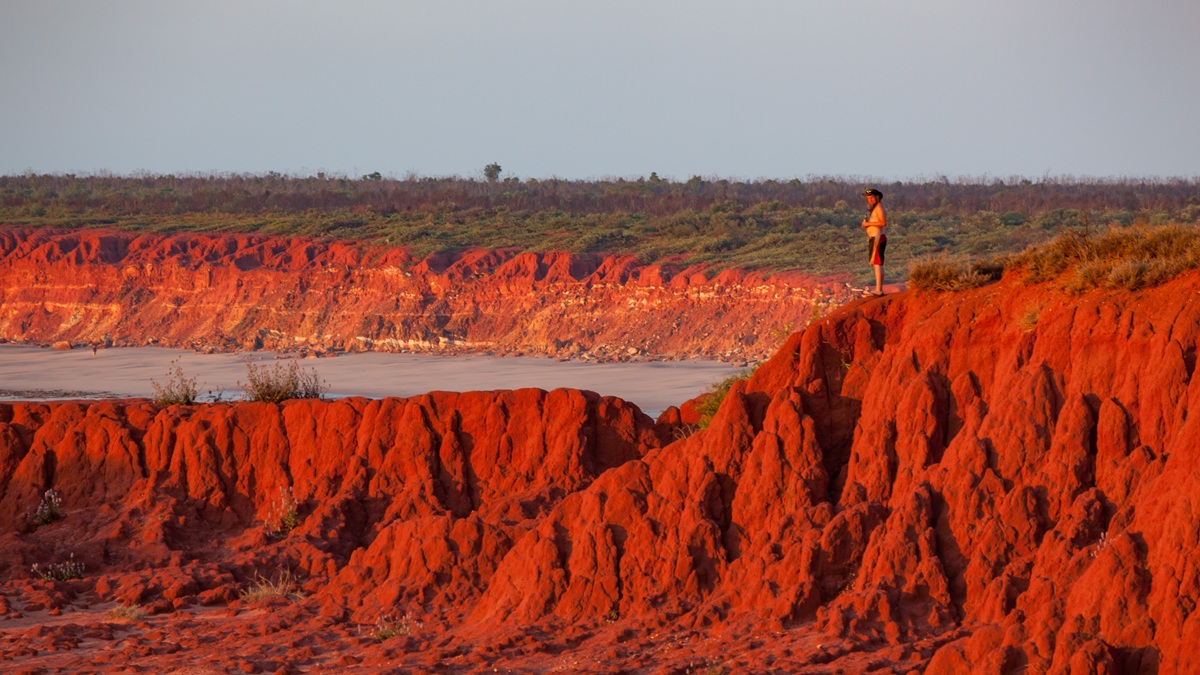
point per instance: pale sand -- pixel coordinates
(35, 373)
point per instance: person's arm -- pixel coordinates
(877, 218)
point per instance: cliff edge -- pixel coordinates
(235, 292)
(998, 480)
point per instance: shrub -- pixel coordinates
(178, 389)
(279, 382)
(62, 571)
(49, 509)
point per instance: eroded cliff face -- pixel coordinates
(249, 292)
(1000, 480)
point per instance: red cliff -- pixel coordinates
(1001, 480)
(230, 292)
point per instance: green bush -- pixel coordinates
(711, 403)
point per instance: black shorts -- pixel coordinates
(876, 249)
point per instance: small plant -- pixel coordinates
(125, 613)
(262, 588)
(285, 515)
(178, 389)
(388, 627)
(62, 571)
(785, 331)
(279, 382)
(708, 406)
(49, 509)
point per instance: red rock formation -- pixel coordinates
(233, 292)
(1001, 480)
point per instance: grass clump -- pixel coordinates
(280, 382)
(262, 588)
(60, 571)
(711, 403)
(125, 613)
(49, 509)
(1122, 258)
(940, 273)
(1128, 258)
(178, 389)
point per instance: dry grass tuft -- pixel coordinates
(262, 588)
(1129, 258)
(125, 613)
(943, 274)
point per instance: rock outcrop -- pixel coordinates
(1000, 480)
(227, 293)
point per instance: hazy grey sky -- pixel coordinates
(590, 89)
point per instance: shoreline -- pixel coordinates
(35, 373)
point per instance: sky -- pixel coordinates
(586, 89)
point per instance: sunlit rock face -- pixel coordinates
(997, 480)
(228, 293)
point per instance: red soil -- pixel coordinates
(244, 292)
(1002, 480)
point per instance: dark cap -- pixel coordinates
(872, 192)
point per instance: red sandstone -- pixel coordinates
(227, 292)
(1001, 480)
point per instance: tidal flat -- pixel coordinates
(37, 373)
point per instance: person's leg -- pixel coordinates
(872, 253)
(877, 262)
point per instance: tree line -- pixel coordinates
(105, 194)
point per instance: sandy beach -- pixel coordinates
(37, 373)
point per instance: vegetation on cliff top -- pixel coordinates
(810, 225)
(1127, 258)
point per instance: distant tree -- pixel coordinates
(492, 172)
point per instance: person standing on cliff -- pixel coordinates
(874, 223)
